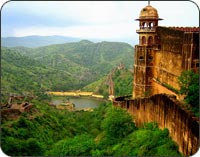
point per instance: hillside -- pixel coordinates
(60, 67)
(107, 131)
(122, 84)
(43, 130)
(98, 58)
(23, 75)
(85, 53)
(35, 41)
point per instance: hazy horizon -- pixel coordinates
(101, 20)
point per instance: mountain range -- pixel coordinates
(61, 67)
(36, 41)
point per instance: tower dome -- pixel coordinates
(148, 12)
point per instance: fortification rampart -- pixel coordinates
(168, 113)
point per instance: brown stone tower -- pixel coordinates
(144, 55)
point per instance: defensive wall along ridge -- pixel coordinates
(168, 113)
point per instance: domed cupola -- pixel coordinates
(148, 12)
(148, 21)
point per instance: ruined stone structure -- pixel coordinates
(162, 54)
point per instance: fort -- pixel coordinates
(167, 112)
(162, 54)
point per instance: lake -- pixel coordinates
(80, 102)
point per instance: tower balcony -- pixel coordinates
(146, 30)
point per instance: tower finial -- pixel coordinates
(148, 2)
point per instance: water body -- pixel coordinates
(80, 102)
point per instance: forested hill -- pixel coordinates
(98, 57)
(36, 41)
(21, 75)
(62, 66)
(43, 130)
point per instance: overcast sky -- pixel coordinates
(110, 21)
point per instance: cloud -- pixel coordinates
(177, 13)
(88, 31)
(99, 19)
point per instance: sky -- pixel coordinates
(103, 20)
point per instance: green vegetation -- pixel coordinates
(123, 82)
(61, 67)
(22, 75)
(47, 131)
(122, 79)
(107, 131)
(189, 83)
(117, 124)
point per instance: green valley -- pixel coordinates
(44, 130)
(107, 131)
(60, 67)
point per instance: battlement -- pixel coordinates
(186, 29)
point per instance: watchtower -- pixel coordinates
(144, 54)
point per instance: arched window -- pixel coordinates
(150, 25)
(150, 40)
(143, 25)
(143, 40)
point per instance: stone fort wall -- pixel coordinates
(178, 52)
(168, 113)
(174, 51)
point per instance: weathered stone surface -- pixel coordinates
(168, 113)
(162, 54)
(165, 60)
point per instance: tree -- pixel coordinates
(33, 147)
(79, 145)
(189, 83)
(118, 123)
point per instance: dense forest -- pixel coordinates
(107, 131)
